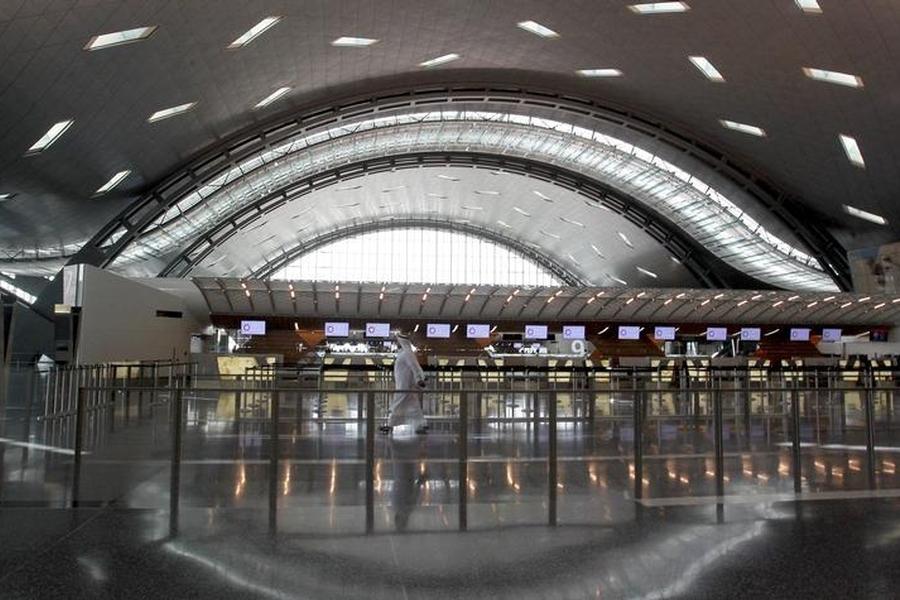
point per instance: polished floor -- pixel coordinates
(240, 524)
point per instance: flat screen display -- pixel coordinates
(831, 335)
(629, 332)
(337, 329)
(253, 327)
(535, 332)
(438, 330)
(475, 331)
(664, 333)
(378, 330)
(716, 334)
(751, 334)
(573, 332)
(799, 335)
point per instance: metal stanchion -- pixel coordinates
(795, 439)
(175, 477)
(273, 464)
(79, 441)
(552, 458)
(463, 461)
(370, 462)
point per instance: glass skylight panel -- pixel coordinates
(744, 128)
(119, 38)
(599, 72)
(255, 31)
(864, 215)
(113, 182)
(652, 8)
(53, 134)
(537, 29)
(353, 42)
(272, 97)
(171, 112)
(440, 60)
(809, 6)
(707, 68)
(851, 149)
(835, 77)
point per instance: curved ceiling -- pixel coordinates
(760, 49)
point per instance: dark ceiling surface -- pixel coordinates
(760, 47)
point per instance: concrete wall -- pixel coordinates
(119, 320)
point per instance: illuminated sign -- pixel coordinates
(629, 332)
(378, 330)
(751, 334)
(573, 332)
(478, 331)
(337, 329)
(664, 333)
(535, 332)
(716, 334)
(253, 327)
(831, 335)
(799, 335)
(438, 330)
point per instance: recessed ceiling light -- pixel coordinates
(617, 280)
(604, 72)
(864, 215)
(272, 97)
(438, 196)
(254, 32)
(653, 8)
(648, 273)
(809, 6)
(851, 149)
(487, 192)
(353, 42)
(744, 128)
(702, 63)
(537, 29)
(470, 207)
(53, 134)
(548, 234)
(171, 112)
(448, 177)
(543, 196)
(598, 252)
(835, 77)
(625, 239)
(524, 213)
(504, 224)
(7, 196)
(119, 38)
(113, 182)
(440, 60)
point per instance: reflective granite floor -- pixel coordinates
(840, 541)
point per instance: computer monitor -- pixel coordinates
(751, 334)
(664, 333)
(832, 335)
(573, 332)
(629, 332)
(800, 334)
(253, 327)
(378, 330)
(716, 334)
(535, 332)
(438, 330)
(476, 331)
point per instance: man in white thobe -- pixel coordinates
(408, 377)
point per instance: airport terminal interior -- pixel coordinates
(448, 299)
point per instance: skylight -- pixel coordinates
(537, 29)
(604, 72)
(53, 134)
(851, 149)
(834, 77)
(864, 215)
(809, 6)
(119, 38)
(744, 128)
(272, 97)
(113, 182)
(353, 42)
(653, 8)
(707, 68)
(171, 112)
(254, 32)
(440, 60)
